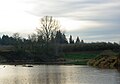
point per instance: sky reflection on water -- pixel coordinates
(56, 74)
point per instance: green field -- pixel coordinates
(80, 58)
(75, 56)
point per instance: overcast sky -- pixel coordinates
(91, 20)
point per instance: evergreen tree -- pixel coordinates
(77, 40)
(82, 41)
(52, 38)
(40, 39)
(64, 39)
(58, 37)
(5, 40)
(61, 38)
(71, 40)
(0, 40)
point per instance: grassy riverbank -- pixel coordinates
(106, 59)
(21, 57)
(80, 58)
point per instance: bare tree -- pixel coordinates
(18, 41)
(48, 27)
(32, 37)
(16, 36)
(47, 31)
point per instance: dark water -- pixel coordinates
(57, 74)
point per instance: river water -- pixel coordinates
(57, 74)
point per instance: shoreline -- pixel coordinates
(38, 63)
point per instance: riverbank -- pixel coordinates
(44, 63)
(106, 60)
(92, 58)
(23, 57)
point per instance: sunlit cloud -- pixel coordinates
(75, 25)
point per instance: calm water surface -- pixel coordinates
(57, 74)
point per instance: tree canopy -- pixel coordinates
(48, 27)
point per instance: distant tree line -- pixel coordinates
(60, 38)
(35, 44)
(95, 46)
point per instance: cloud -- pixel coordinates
(98, 34)
(101, 17)
(95, 10)
(68, 8)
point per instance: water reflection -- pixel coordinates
(51, 74)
